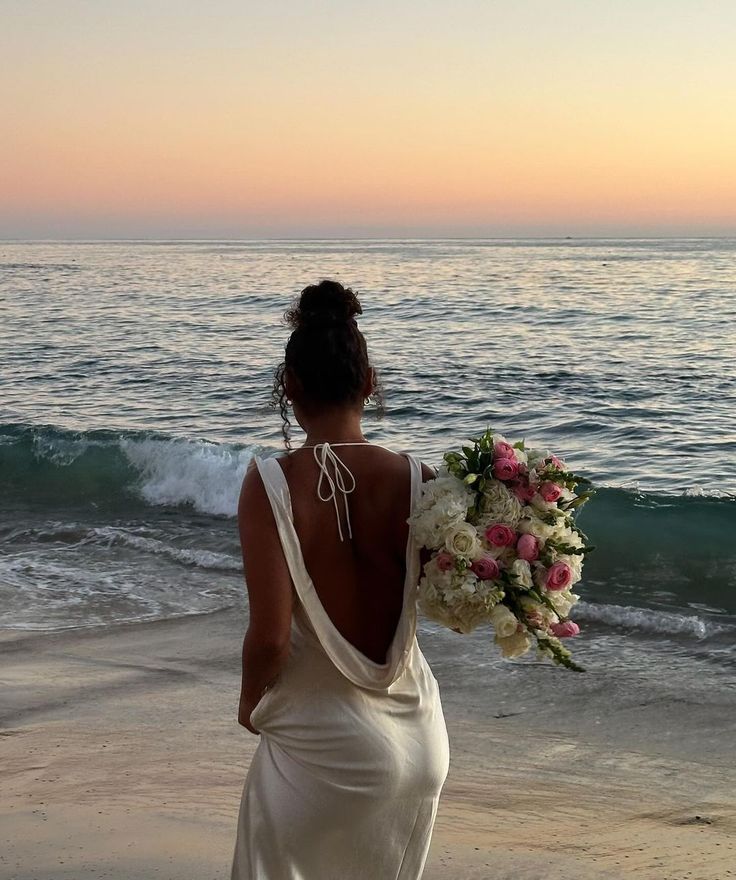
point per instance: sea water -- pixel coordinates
(135, 386)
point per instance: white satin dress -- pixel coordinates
(346, 778)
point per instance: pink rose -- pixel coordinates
(503, 450)
(527, 547)
(485, 568)
(445, 561)
(559, 576)
(558, 463)
(564, 629)
(505, 468)
(523, 490)
(550, 491)
(500, 535)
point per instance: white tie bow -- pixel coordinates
(338, 483)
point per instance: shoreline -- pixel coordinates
(123, 759)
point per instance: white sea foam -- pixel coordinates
(645, 619)
(187, 556)
(206, 475)
(58, 588)
(700, 492)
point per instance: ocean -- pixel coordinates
(134, 388)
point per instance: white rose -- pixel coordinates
(514, 645)
(462, 540)
(504, 621)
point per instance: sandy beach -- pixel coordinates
(122, 758)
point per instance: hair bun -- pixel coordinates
(326, 303)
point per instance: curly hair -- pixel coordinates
(326, 353)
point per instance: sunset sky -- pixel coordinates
(368, 119)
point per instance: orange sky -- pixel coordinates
(171, 119)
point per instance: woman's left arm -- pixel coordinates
(267, 578)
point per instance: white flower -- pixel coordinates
(562, 600)
(435, 609)
(442, 580)
(537, 456)
(504, 621)
(531, 523)
(514, 645)
(538, 615)
(521, 456)
(522, 573)
(498, 505)
(462, 540)
(576, 566)
(456, 599)
(563, 533)
(541, 506)
(444, 503)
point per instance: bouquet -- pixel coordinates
(505, 549)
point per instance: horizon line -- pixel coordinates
(156, 239)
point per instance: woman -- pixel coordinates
(346, 778)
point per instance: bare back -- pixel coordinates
(359, 580)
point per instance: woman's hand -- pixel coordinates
(244, 710)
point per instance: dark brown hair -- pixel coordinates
(326, 353)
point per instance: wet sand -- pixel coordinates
(122, 758)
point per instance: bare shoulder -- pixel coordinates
(252, 491)
(399, 462)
